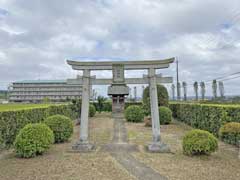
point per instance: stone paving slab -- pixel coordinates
(121, 151)
(136, 168)
(120, 147)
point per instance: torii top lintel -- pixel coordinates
(128, 65)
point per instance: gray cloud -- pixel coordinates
(37, 36)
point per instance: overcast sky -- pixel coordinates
(36, 37)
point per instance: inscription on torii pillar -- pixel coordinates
(118, 90)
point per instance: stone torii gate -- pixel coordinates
(118, 90)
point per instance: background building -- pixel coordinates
(40, 90)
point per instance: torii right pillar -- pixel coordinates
(157, 145)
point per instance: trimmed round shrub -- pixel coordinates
(33, 140)
(197, 142)
(165, 115)
(134, 114)
(230, 133)
(61, 126)
(162, 98)
(92, 110)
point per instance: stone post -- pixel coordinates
(156, 145)
(83, 144)
(85, 106)
(154, 105)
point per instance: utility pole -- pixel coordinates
(178, 87)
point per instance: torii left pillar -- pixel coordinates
(83, 144)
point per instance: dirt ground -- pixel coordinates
(222, 165)
(61, 164)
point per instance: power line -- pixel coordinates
(230, 78)
(222, 77)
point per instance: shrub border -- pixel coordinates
(12, 121)
(208, 117)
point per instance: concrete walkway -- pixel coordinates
(121, 151)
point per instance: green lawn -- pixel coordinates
(10, 107)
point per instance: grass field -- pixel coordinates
(13, 107)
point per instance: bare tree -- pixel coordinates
(203, 90)
(173, 91)
(184, 84)
(214, 88)
(221, 89)
(195, 85)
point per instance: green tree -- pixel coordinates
(76, 105)
(162, 98)
(46, 100)
(100, 103)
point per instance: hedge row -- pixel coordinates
(107, 106)
(12, 121)
(208, 117)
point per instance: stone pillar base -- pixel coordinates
(83, 147)
(158, 147)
